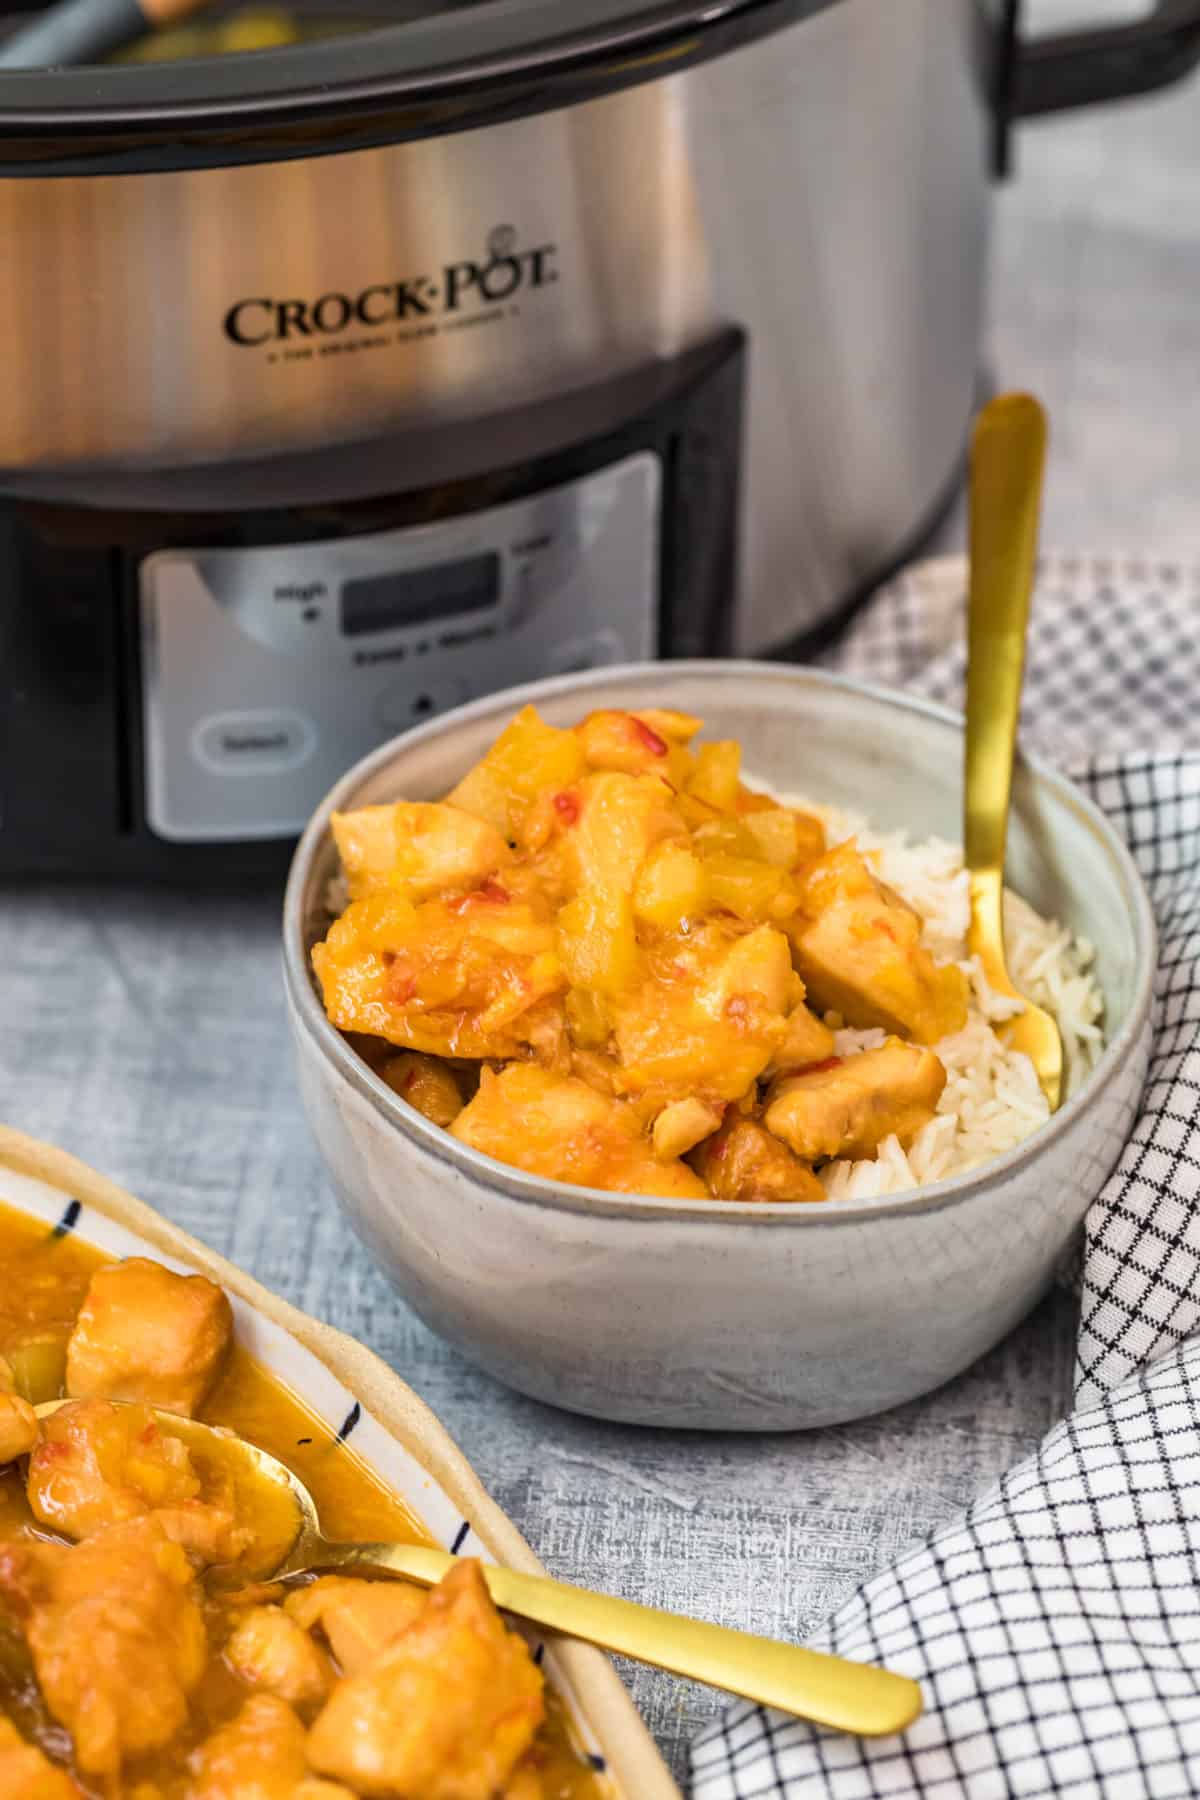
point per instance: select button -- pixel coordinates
(253, 743)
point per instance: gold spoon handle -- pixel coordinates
(827, 1690)
(1008, 454)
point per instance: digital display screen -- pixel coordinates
(418, 596)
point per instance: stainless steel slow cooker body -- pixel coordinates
(436, 222)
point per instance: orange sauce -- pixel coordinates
(44, 1279)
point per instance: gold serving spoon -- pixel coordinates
(827, 1690)
(1008, 455)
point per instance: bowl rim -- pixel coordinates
(309, 1016)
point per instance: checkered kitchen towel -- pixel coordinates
(1055, 1628)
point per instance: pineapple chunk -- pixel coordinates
(751, 890)
(858, 949)
(526, 758)
(621, 818)
(784, 838)
(558, 1127)
(670, 887)
(587, 1019)
(597, 942)
(19, 1428)
(416, 849)
(715, 779)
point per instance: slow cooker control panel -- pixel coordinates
(267, 672)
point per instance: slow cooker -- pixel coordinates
(346, 381)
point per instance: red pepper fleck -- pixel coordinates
(401, 987)
(148, 1433)
(566, 805)
(649, 739)
(831, 1062)
(490, 894)
(409, 1080)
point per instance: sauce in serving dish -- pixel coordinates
(48, 1279)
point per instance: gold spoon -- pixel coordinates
(1008, 455)
(846, 1696)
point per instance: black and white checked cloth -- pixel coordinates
(1055, 1628)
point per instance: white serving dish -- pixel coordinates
(350, 1390)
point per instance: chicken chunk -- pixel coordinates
(849, 1106)
(270, 1650)
(25, 1774)
(426, 1084)
(805, 1042)
(445, 1712)
(858, 948)
(19, 1428)
(744, 1162)
(116, 1634)
(416, 849)
(356, 1618)
(680, 1126)
(144, 1333)
(472, 977)
(259, 1755)
(100, 1465)
(557, 1126)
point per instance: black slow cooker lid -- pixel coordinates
(451, 67)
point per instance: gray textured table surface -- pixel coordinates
(146, 1033)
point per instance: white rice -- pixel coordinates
(992, 1099)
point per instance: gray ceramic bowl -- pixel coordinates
(703, 1313)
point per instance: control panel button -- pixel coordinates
(253, 743)
(414, 700)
